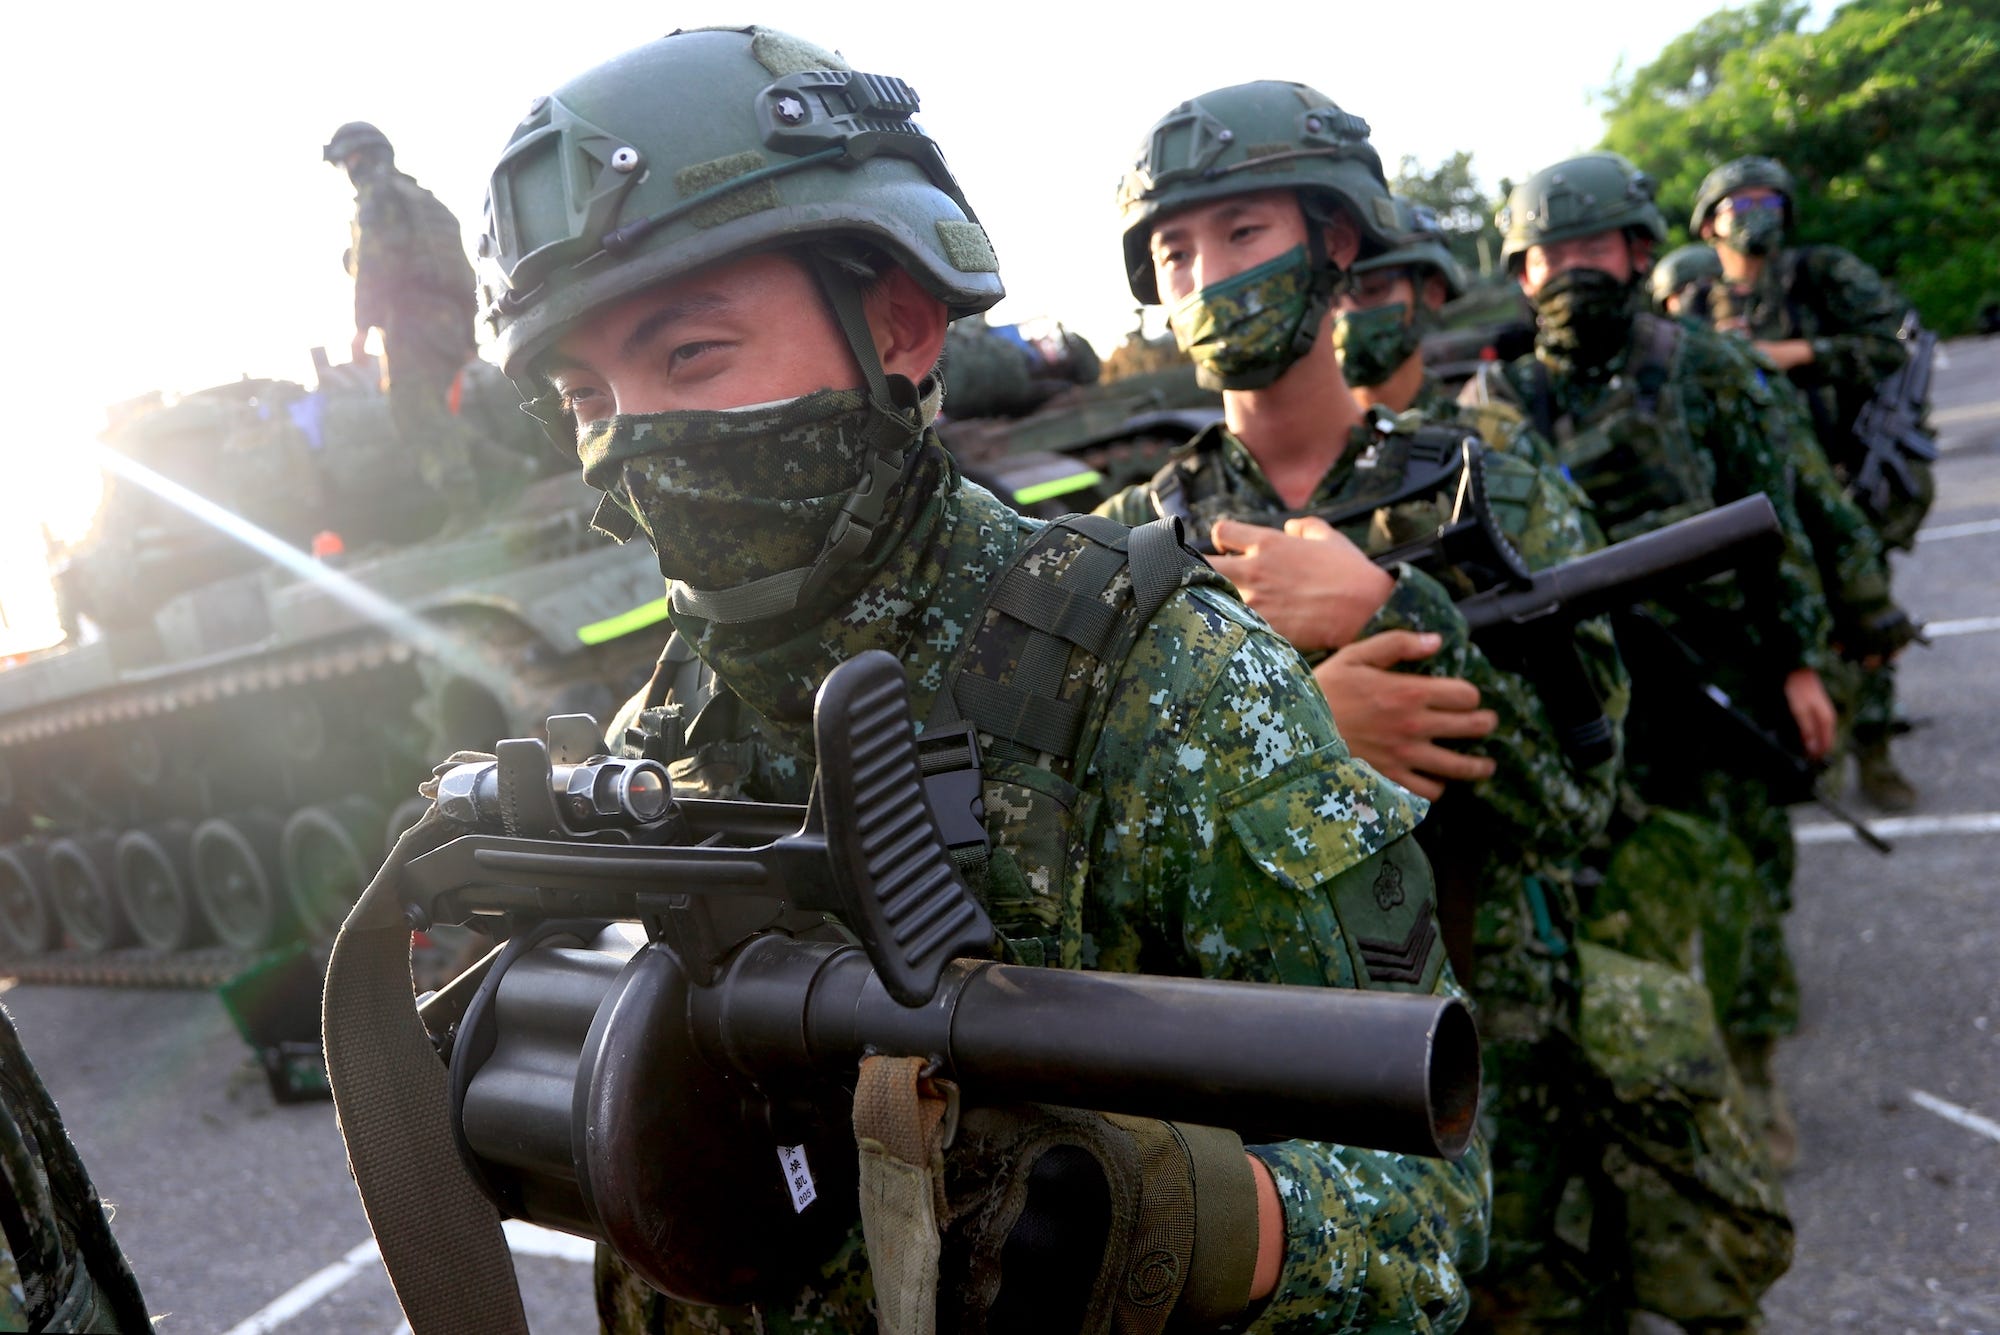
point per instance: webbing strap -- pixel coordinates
(1065, 613)
(1160, 562)
(439, 1235)
(1039, 722)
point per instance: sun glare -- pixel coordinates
(47, 499)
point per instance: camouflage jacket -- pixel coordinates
(407, 253)
(1830, 298)
(1220, 829)
(1539, 808)
(1713, 431)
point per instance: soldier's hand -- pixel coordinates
(1812, 710)
(357, 351)
(1787, 354)
(1315, 587)
(1394, 720)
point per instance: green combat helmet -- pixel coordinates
(1420, 246)
(1254, 136)
(701, 146)
(1741, 174)
(357, 137)
(1578, 197)
(712, 144)
(1678, 268)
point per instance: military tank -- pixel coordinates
(1035, 416)
(212, 764)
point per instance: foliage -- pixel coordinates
(1463, 209)
(1889, 119)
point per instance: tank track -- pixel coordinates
(133, 967)
(190, 687)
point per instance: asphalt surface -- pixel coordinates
(239, 1217)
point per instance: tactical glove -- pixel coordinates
(1061, 1220)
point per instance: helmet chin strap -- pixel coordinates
(896, 421)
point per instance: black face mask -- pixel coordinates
(1585, 316)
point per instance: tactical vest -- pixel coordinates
(1417, 464)
(1631, 453)
(1022, 704)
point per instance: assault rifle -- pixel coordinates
(1890, 426)
(660, 1056)
(1667, 667)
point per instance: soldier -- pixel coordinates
(60, 1268)
(1657, 421)
(1213, 238)
(1689, 267)
(1829, 322)
(750, 238)
(412, 282)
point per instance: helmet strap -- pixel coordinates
(895, 423)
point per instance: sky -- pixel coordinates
(170, 225)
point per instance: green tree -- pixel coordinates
(1888, 118)
(1463, 209)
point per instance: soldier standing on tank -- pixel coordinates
(1219, 242)
(732, 251)
(412, 282)
(1657, 421)
(1828, 321)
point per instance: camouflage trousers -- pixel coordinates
(60, 1268)
(840, 1298)
(1625, 1176)
(423, 350)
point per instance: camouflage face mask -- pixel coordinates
(1584, 316)
(1373, 343)
(1756, 232)
(1247, 330)
(733, 496)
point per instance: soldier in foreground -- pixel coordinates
(1212, 239)
(60, 1268)
(738, 336)
(412, 282)
(1829, 322)
(1655, 421)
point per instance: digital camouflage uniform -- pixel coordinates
(1602, 1200)
(1827, 296)
(412, 282)
(60, 1268)
(1219, 828)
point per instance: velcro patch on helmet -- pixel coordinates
(967, 246)
(1385, 212)
(782, 54)
(702, 176)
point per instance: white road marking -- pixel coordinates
(1968, 626)
(303, 1295)
(1905, 827)
(523, 1239)
(1972, 529)
(528, 1239)
(1951, 1112)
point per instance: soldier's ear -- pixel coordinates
(908, 324)
(1434, 293)
(1343, 239)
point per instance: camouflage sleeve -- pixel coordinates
(1131, 507)
(1853, 568)
(381, 237)
(1734, 412)
(1860, 316)
(1253, 846)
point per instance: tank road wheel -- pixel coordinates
(407, 813)
(328, 856)
(232, 860)
(26, 925)
(153, 887)
(80, 888)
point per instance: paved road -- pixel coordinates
(239, 1216)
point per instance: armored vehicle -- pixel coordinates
(269, 643)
